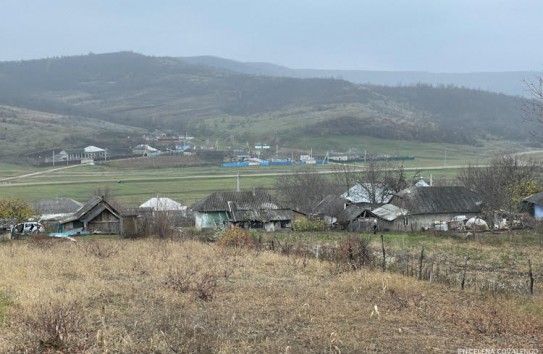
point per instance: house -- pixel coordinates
(329, 209)
(87, 153)
(246, 209)
(425, 206)
(51, 211)
(96, 215)
(368, 195)
(534, 204)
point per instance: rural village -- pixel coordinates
(363, 207)
(271, 177)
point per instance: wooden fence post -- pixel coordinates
(464, 274)
(421, 258)
(531, 276)
(384, 255)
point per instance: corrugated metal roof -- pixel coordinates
(389, 212)
(437, 200)
(56, 206)
(242, 200)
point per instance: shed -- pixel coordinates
(97, 215)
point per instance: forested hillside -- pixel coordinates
(133, 90)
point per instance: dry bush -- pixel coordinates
(236, 237)
(351, 254)
(50, 326)
(41, 241)
(100, 248)
(153, 297)
(204, 285)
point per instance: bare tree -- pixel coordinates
(303, 190)
(504, 182)
(533, 109)
(377, 180)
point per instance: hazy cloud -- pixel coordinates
(439, 36)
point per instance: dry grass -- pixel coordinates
(177, 297)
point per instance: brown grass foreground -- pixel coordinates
(176, 297)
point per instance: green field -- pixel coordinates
(132, 186)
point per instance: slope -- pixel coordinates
(168, 93)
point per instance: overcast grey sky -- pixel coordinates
(426, 35)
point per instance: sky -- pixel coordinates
(383, 35)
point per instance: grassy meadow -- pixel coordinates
(177, 296)
(131, 182)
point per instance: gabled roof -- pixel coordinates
(56, 206)
(350, 213)
(437, 200)
(359, 193)
(242, 200)
(94, 207)
(163, 204)
(331, 205)
(535, 198)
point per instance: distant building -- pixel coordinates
(70, 155)
(144, 150)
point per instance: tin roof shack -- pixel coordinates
(246, 209)
(96, 215)
(389, 217)
(354, 218)
(427, 205)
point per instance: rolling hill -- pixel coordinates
(510, 82)
(113, 98)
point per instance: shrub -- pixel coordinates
(353, 254)
(100, 249)
(56, 325)
(309, 225)
(236, 237)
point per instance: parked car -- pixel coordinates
(26, 228)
